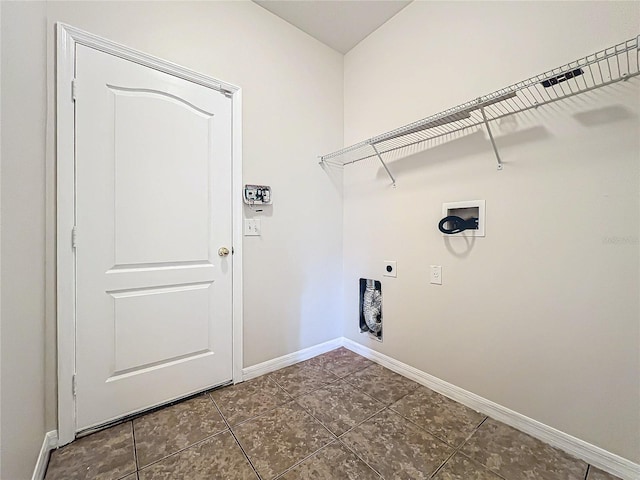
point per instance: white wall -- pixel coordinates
(293, 107)
(541, 315)
(23, 147)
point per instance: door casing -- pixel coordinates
(67, 39)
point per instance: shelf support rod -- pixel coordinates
(493, 142)
(384, 165)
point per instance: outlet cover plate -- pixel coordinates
(390, 268)
(252, 227)
(436, 274)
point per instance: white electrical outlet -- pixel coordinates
(251, 227)
(436, 274)
(390, 268)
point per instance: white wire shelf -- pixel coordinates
(618, 63)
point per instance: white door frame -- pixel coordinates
(67, 38)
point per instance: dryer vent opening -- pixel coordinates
(371, 308)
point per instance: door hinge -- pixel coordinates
(226, 93)
(74, 385)
(74, 89)
(74, 237)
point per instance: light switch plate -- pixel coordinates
(251, 227)
(390, 268)
(436, 274)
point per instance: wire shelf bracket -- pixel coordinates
(620, 62)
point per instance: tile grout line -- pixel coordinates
(135, 448)
(266, 412)
(446, 442)
(335, 437)
(236, 438)
(350, 428)
(355, 387)
(356, 370)
(321, 367)
(313, 454)
(294, 399)
(289, 400)
(183, 449)
(246, 456)
(339, 438)
(360, 458)
(456, 450)
(337, 379)
(350, 385)
(352, 450)
(394, 401)
(389, 407)
(366, 419)
(308, 391)
(188, 446)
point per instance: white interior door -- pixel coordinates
(153, 208)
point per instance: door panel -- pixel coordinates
(157, 315)
(153, 205)
(154, 135)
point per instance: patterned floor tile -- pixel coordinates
(170, 429)
(445, 418)
(280, 438)
(382, 384)
(339, 406)
(105, 455)
(396, 448)
(460, 467)
(302, 378)
(217, 457)
(334, 462)
(341, 362)
(249, 399)
(516, 455)
(597, 474)
(347, 393)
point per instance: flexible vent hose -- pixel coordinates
(457, 224)
(372, 307)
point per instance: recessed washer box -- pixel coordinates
(466, 210)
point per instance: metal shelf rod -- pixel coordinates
(384, 165)
(493, 142)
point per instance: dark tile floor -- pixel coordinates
(335, 416)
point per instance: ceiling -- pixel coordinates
(340, 24)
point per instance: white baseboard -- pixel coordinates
(49, 443)
(596, 456)
(286, 360)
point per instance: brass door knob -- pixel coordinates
(223, 251)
